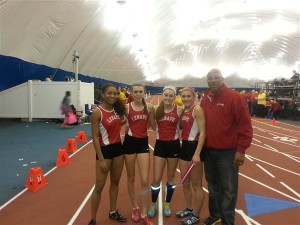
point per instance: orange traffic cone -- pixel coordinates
(81, 137)
(36, 179)
(63, 158)
(274, 121)
(71, 145)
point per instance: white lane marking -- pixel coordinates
(13, 198)
(271, 147)
(286, 139)
(241, 212)
(275, 166)
(272, 139)
(21, 192)
(292, 190)
(160, 207)
(81, 206)
(159, 210)
(160, 203)
(278, 127)
(246, 156)
(295, 158)
(291, 157)
(264, 147)
(266, 171)
(256, 140)
(246, 218)
(266, 186)
(274, 133)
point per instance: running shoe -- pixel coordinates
(135, 216)
(152, 210)
(191, 219)
(117, 216)
(183, 213)
(167, 210)
(145, 220)
(211, 221)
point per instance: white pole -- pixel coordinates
(76, 73)
(30, 101)
(75, 61)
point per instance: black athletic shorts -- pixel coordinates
(188, 149)
(111, 151)
(167, 149)
(134, 145)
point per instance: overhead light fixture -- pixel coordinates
(121, 2)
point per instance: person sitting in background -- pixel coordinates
(49, 78)
(76, 114)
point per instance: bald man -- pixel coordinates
(228, 135)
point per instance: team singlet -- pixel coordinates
(167, 128)
(137, 122)
(190, 131)
(110, 127)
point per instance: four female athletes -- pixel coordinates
(166, 119)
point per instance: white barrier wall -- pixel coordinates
(41, 99)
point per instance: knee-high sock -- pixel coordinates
(154, 193)
(170, 188)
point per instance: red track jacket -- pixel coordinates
(227, 120)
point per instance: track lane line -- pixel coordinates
(277, 141)
(50, 171)
(266, 171)
(278, 167)
(290, 189)
(272, 132)
(160, 202)
(277, 126)
(76, 214)
(268, 187)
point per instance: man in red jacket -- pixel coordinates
(228, 134)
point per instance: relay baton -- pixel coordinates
(187, 173)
